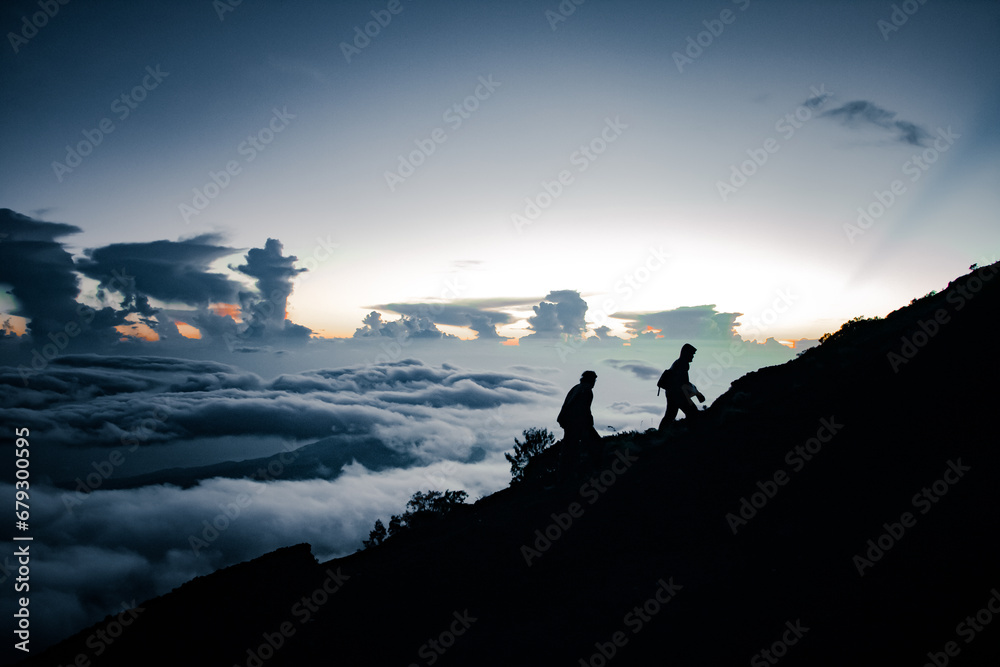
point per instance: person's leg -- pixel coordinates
(689, 409)
(671, 414)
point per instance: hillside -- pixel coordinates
(839, 509)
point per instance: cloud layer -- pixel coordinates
(414, 426)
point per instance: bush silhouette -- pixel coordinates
(421, 508)
(536, 440)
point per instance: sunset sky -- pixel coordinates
(404, 171)
(234, 229)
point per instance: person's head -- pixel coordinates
(687, 352)
(588, 378)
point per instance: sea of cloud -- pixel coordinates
(438, 416)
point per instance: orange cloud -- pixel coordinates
(137, 330)
(188, 331)
(227, 310)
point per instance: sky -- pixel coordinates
(234, 230)
(385, 164)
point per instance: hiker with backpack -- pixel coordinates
(581, 438)
(678, 387)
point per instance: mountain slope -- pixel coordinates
(870, 496)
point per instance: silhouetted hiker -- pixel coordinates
(679, 388)
(576, 419)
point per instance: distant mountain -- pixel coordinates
(840, 509)
(322, 459)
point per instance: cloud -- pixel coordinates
(89, 405)
(561, 312)
(602, 335)
(626, 408)
(406, 326)
(483, 322)
(861, 113)
(265, 312)
(172, 271)
(39, 271)
(361, 440)
(44, 282)
(135, 544)
(640, 369)
(684, 323)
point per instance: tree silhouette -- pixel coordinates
(421, 507)
(535, 441)
(376, 536)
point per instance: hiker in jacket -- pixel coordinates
(679, 388)
(581, 438)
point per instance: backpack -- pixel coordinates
(664, 381)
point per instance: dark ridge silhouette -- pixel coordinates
(637, 563)
(305, 462)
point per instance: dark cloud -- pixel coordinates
(483, 326)
(173, 271)
(264, 313)
(43, 280)
(816, 101)
(685, 323)
(561, 312)
(862, 113)
(39, 271)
